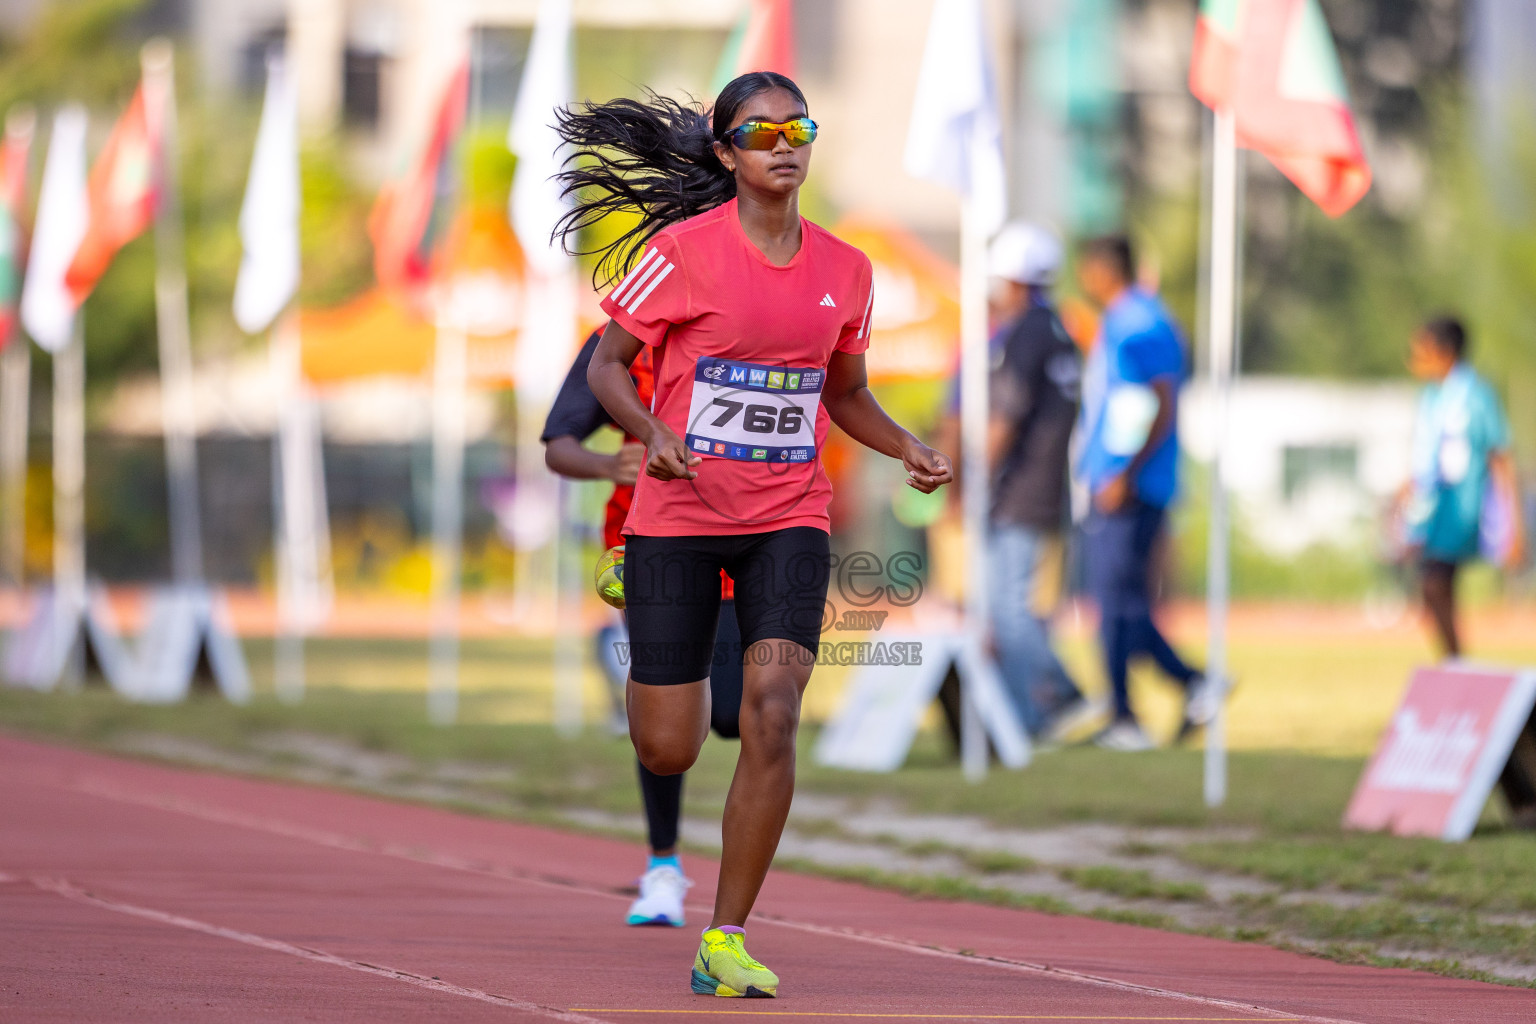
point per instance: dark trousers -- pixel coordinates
(1119, 549)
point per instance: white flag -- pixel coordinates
(956, 136)
(549, 329)
(47, 310)
(269, 217)
(536, 204)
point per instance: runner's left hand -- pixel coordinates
(670, 458)
(927, 470)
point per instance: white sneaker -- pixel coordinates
(1201, 701)
(661, 897)
(1072, 721)
(1125, 736)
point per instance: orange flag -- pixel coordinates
(124, 187)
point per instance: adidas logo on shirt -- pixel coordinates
(637, 287)
(827, 301)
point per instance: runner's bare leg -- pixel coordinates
(667, 724)
(775, 677)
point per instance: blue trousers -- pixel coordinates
(1119, 561)
(1034, 676)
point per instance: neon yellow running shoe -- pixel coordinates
(723, 967)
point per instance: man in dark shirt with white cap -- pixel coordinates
(1036, 381)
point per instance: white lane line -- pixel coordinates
(1065, 974)
(69, 891)
(417, 855)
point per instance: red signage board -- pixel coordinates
(1444, 749)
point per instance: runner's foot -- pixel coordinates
(662, 889)
(723, 967)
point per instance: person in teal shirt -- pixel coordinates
(1464, 498)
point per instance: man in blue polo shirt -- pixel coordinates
(1129, 462)
(1464, 498)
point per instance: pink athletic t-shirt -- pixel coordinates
(741, 349)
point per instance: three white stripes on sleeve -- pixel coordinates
(634, 290)
(655, 267)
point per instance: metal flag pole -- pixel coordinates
(15, 395)
(549, 326)
(569, 656)
(974, 476)
(69, 499)
(15, 388)
(300, 523)
(172, 323)
(450, 390)
(448, 395)
(1222, 325)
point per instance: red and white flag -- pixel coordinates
(124, 189)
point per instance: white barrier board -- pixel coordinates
(884, 705)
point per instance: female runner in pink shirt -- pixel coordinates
(758, 320)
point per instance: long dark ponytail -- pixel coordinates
(654, 157)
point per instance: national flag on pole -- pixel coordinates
(956, 135)
(124, 189)
(47, 306)
(1273, 64)
(407, 213)
(763, 40)
(543, 350)
(15, 155)
(536, 203)
(269, 217)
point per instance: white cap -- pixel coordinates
(1025, 253)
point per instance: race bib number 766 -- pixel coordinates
(753, 413)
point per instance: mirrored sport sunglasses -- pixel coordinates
(765, 134)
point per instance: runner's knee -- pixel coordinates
(665, 757)
(775, 718)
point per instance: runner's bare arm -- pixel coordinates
(608, 377)
(853, 407)
(569, 458)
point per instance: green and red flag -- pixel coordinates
(1273, 65)
(15, 154)
(763, 40)
(409, 212)
(124, 190)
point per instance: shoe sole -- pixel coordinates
(660, 920)
(704, 985)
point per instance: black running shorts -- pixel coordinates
(672, 596)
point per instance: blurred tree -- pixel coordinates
(337, 258)
(83, 51)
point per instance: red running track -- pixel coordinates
(130, 891)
